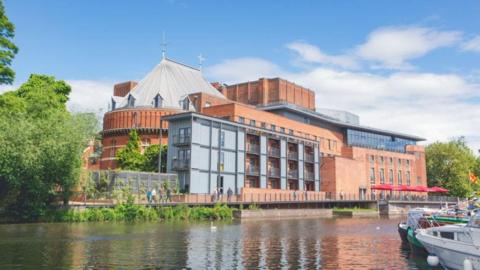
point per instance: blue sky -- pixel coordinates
(393, 63)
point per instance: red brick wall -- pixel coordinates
(122, 89)
(266, 91)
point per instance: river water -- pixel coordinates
(333, 243)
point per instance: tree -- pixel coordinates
(449, 165)
(8, 49)
(41, 145)
(151, 158)
(130, 157)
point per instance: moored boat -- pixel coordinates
(456, 246)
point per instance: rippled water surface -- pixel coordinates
(337, 243)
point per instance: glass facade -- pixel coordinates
(377, 141)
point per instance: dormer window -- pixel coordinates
(158, 101)
(114, 104)
(186, 104)
(131, 101)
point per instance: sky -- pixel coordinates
(407, 66)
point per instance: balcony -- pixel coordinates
(309, 157)
(274, 151)
(274, 172)
(309, 175)
(253, 148)
(252, 170)
(180, 164)
(292, 174)
(181, 140)
(292, 155)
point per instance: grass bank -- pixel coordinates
(130, 212)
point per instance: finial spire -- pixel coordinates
(164, 45)
(201, 59)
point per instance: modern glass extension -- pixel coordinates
(377, 141)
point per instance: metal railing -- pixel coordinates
(253, 148)
(309, 175)
(181, 139)
(292, 173)
(181, 164)
(252, 170)
(273, 151)
(309, 158)
(292, 155)
(274, 172)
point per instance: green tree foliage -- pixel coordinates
(8, 50)
(130, 157)
(449, 164)
(41, 145)
(151, 158)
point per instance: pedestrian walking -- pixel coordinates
(169, 195)
(160, 195)
(154, 196)
(149, 196)
(294, 195)
(229, 194)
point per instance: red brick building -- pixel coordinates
(354, 157)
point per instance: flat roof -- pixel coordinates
(333, 121)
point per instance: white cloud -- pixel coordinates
(472, 45)
(393, 47)
(89, 95)
(430, 105)
(312, 54)
(242, 70)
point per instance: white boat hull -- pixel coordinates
(451, 253)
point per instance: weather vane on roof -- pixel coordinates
(164, 45)
(201, 59)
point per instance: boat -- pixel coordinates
(422, 218)
(455, 246)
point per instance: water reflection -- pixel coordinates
(344, 243)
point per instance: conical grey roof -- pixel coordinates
(173, 81)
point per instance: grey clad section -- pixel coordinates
(213, 156)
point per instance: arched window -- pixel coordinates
(158, 101)
(131, 101)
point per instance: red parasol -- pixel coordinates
(383, 187)
(402, 188)
(419, 189)
(437, 189)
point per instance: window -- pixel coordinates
(377, 141)
(408, 162)
(282, 129)
(382, 176)
(381, 160)
(241, 119)
(407, 177)
(114, 104)
(335, 145)
(222, 160)
(447, 235)
(372, 159)
(273, 127)
(264, 125)
(372, 175)
(399, 162)
(184, 135)
(186, 104)
(253, 123)
(131, 101)
(390, 176)
(290, 131)
(158, 101)
(391, 161)
(208, 104)
(112, 150)
(329, 144)
(222, 139)
(399, 177)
